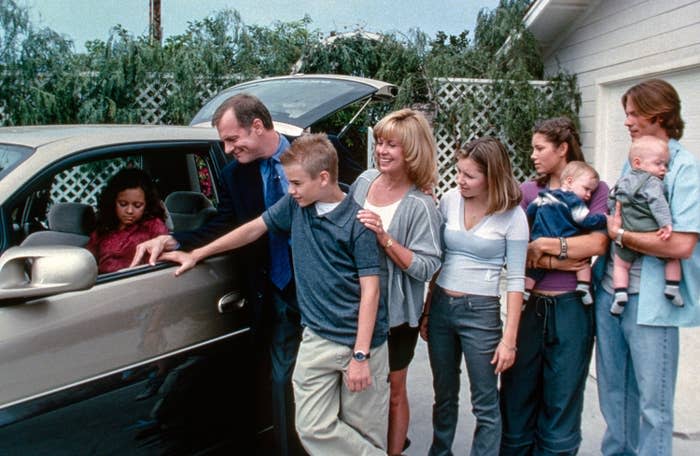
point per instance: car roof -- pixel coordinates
(298, 101)
(70, 138)
(53, 143)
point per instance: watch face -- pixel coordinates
(359, 356)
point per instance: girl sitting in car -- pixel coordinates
(129, 212)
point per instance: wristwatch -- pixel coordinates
(360, 356)
(618, 237)
(389, 243)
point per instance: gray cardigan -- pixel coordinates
(416, 226)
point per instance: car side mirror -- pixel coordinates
(36, 271)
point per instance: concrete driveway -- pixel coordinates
(685, 443)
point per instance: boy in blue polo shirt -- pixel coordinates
(340, 379)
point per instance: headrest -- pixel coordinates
(74, 218)
(184, 202)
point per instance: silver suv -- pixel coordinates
(134, 361)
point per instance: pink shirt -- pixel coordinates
(115, 250)
(555, 280)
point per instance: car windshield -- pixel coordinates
(11, 156)
(298, 102)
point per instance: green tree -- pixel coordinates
(45, 81)
(32, 68)
(503, 51)
(387, 57)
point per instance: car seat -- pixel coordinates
(69, 224)
(189, 210)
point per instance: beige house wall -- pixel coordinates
(616, 43)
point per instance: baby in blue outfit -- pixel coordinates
(563, 213)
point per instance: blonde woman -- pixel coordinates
(407, 225)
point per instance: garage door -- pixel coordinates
(615, 139)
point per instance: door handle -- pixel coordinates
(230, 302)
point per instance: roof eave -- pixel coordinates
(549, 20)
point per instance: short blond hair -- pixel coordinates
(577, 168)
(413, 131)
(314, 153)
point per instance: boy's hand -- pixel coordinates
(664, 233)
(153, 248)
(357, 377)
(185, 259)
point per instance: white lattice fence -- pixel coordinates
(209, 88)
(84, 183)
(153, 93)
(466, 105)
(4, 117)
(156, 88)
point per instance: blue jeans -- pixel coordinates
(542, 393)
(469, 326)
(636, 367)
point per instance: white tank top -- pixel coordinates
(386, 213)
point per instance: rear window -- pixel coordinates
(299, 102)
(11, 156)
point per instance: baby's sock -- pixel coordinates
(619, 301)
(583, 289)
(673, 292)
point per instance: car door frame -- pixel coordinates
(65, 350)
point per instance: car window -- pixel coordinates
(11, 156)
(299, 102)
(205, 177)
(81, 182)
(84, 183)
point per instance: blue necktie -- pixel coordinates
(280, 266)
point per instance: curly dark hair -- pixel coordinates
(125, 179)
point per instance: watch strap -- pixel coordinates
(359, 355)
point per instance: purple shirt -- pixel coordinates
(555, 280)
